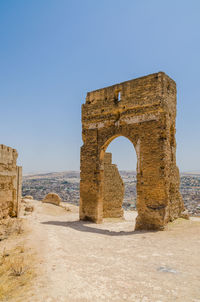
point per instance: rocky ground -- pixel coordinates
(85, 262)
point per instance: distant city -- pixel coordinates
(66, 184)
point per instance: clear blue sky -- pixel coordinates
(53, 51)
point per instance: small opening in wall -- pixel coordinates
(117, 97)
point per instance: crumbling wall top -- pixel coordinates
(159, 80)
(156, 90)
(108, 158)
(8, 155)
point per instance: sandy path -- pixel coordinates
(83, 262)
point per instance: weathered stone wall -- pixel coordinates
(113, 190)
(144, 111)
(10, 182)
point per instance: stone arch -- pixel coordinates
(146, 115)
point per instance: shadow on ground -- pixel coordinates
(82, 227)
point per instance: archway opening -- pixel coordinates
(119, 179)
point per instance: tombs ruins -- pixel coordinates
(144, 111)
(10, 182)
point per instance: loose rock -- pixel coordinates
(52, 198)
(29, 208)
(28, 197)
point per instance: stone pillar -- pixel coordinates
(113, 190)
(19, 189)
(152, 178)
(10, 182)
(91, 202)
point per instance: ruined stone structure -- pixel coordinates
(10, 182)
(113, 193)
(144, 111)
(52, 198)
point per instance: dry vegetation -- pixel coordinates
(16, 261)
(10, 226)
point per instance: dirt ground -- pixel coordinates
(85, 262)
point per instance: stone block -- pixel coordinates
(52, 198)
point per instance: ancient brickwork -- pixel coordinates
(144, 111)
(10, 182)
(113, 190)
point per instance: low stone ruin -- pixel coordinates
(10, 182)
(52, 198)
(113, 190)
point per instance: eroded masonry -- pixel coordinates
(10, 182)
(144, 111)
(113, 190)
